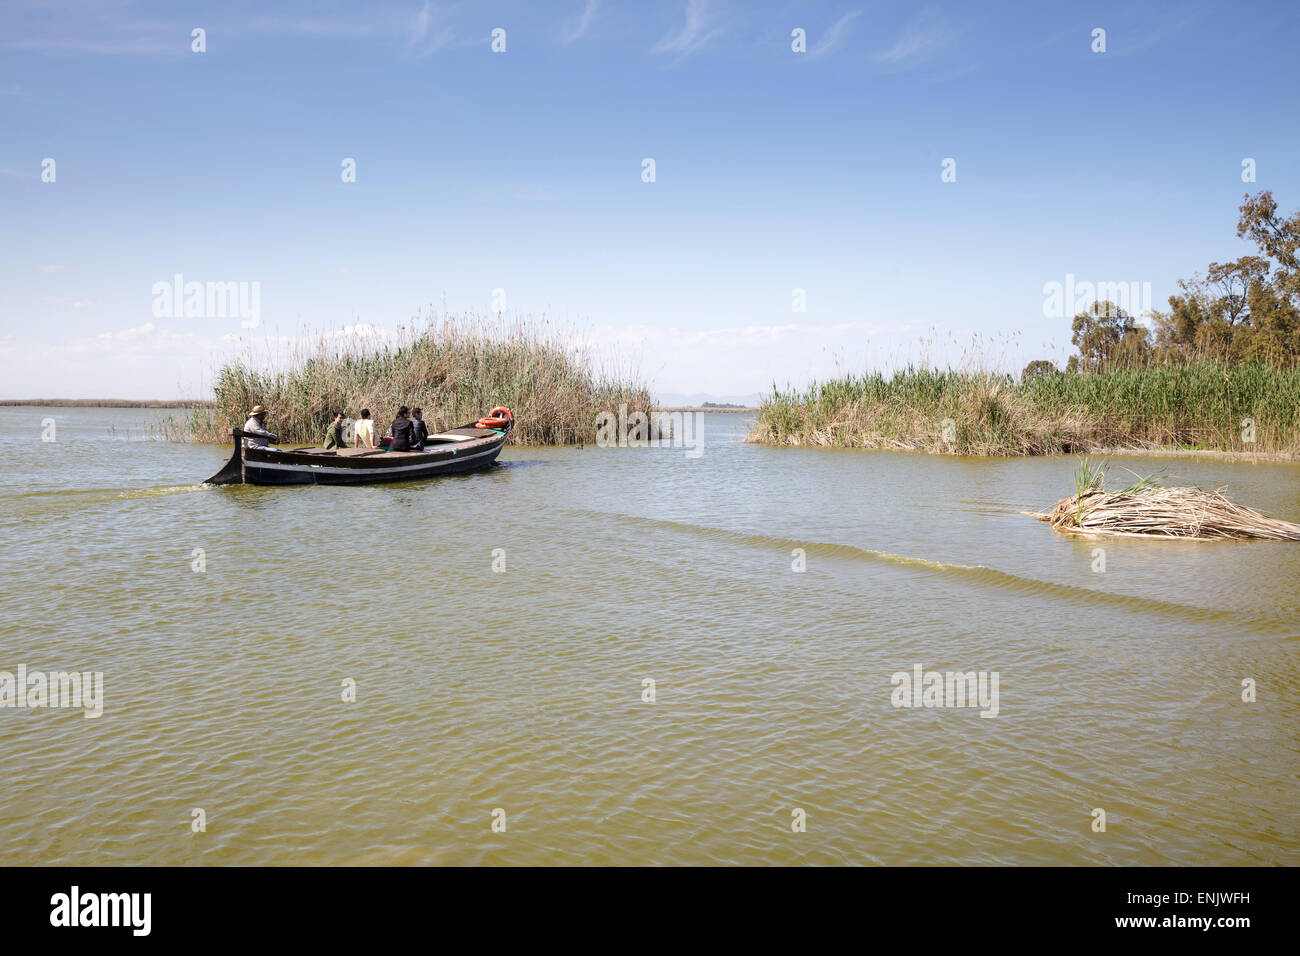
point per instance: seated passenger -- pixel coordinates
(364, 431)
(334, 434)
(401, 431)
(255, 424)
(419, 430)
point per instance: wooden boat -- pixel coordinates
(467, 448)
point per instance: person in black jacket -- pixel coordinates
(401, 431)
(419, 430)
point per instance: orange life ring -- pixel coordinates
(499, 417)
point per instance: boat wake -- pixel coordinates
(63, 497)
(160, 492)
(971, 574)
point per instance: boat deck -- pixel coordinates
(436, 442)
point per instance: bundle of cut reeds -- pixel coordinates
(1150, 509)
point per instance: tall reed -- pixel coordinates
(975, 412)
(455, 368)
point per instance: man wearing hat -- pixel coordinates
(256, 418)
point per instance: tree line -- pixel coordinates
(1247, 310)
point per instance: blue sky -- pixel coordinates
(522, 171)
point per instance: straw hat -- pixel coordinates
(257, 410)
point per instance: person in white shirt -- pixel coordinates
(363, 431)
(256, 425)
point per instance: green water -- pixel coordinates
(522, 690)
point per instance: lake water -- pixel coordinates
(522, 691)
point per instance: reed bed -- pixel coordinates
(455, 368)
(1149, 509)
(1200, 406)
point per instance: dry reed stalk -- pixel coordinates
(1185, 513)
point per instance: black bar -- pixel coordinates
(937, 910)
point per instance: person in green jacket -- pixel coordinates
(334, 435)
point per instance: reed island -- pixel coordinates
(1218, 370)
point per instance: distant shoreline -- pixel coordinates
(106, 402)
(706, 408)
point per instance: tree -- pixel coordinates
(1107, 336)
(1247, 309)
(1036, 368)
(1278, 240)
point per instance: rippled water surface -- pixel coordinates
(1119, 690)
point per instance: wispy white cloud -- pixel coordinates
(153, 361)
(116, 29)
(579, 28)
(422, 20)
(430, 31)
(109, 346)
(739, 360)
(1164, 29)
(91, 43)
(696, 32)
(920, 41)
(833, 38)
(141, 362)
(312, 27)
